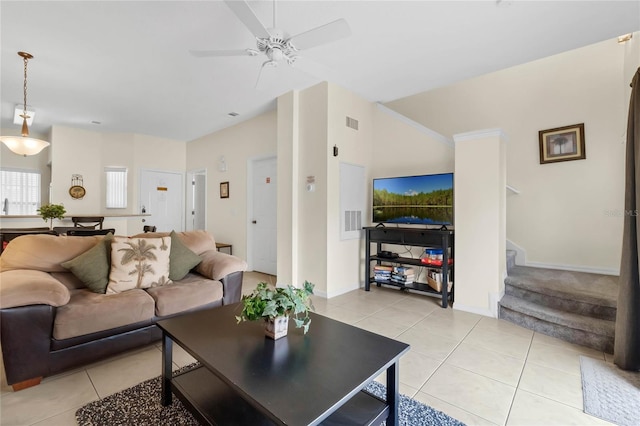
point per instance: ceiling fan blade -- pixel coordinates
(261, 81)
(248, 18)
(320, 35)
(210, 53)
(319, 71)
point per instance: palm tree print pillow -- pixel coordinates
(139, 263)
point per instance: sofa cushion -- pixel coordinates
(27, 287)
(197, 241)
(190, 292)
(89, 312)
(92, 266)
(181, 259)
(216, 265)
(138, 263)
(43, 252)
(69, 280)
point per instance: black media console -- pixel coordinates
(414, 237)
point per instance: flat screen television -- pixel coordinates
(416, 200)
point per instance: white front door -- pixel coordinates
(264, 219)
(162, 196)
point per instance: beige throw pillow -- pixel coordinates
(139, 263)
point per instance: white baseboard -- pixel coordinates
(576, 268)
(336, 293)
(473, 309)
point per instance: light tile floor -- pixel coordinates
(479, 370)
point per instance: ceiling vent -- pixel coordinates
(352, 122)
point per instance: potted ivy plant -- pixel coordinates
(50, 212)
(275, 305)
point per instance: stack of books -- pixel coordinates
(382, 272)
(403, 275)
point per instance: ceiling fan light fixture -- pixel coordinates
(24, 145)
(275, 54)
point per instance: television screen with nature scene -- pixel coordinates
(419, 200)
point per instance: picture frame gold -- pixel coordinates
(562, 144)
(224, 189)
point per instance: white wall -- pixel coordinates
(76, 151)
(345, 258)
(563, 216)
(312, 206)
(402, 148)
(480, 261)
(227, 217)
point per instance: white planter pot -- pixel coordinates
(276, 327)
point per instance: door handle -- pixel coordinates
(254, 221)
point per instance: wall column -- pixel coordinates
(288, 188)
(480, 220)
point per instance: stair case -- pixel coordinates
(577, 307)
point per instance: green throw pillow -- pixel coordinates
(92, 267)
(181, 259)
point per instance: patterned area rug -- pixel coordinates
(610, 393)
(140, 405)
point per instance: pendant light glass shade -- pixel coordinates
(24, 145)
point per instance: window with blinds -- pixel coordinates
(116, 184)
(19, 191)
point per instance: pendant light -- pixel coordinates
(24, 145)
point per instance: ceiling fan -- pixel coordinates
(274, 43)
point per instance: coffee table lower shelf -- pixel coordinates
(213, 402)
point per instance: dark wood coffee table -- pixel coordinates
(245, 378)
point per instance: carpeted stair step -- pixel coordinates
(583, 330)
(592, 295)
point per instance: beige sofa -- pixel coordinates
(51, 321)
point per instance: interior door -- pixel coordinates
(264, 220)
(199, 201)
(196, 210)
(162, 196)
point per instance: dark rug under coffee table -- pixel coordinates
(140, 405)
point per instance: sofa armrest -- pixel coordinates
(26, 338)
(216, 265)
(232, 288)
(24, 287)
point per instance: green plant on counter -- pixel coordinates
(271, 302)
(50, 212)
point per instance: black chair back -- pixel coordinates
(82, 221)
(90, 232)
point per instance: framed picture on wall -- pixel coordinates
(224, 189)
(562, 144)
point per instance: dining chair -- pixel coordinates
(92, 221)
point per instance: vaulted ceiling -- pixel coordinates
(127, 66)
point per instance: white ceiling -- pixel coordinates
(126, 64)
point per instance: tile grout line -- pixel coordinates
(526, 358)
(442, 363)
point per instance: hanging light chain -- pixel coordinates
(26, 59)
(26, 56)
(25, 129)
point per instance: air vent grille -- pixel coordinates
(352, 123)
(352, 220)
